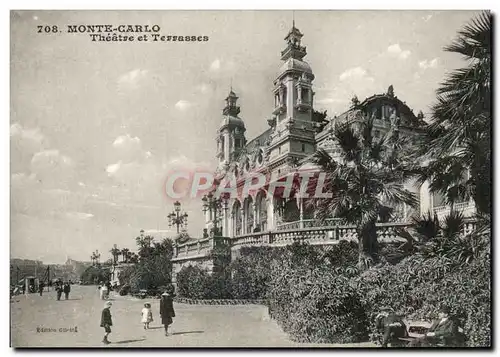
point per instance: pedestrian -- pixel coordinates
(443, 331)
(40, 288)
(104, 292)
(59, 290)
(392, 325)
(67, 290)
(167, 307)
(147, 315)
(106, 321)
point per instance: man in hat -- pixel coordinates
(444, 330)
(106, 321)
(392, 325)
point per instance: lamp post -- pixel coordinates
(216, 207)
(176, 218)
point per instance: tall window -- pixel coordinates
(305, 95)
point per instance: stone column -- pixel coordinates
(254, 207)
(270, 214)
(244, 217)
(290, 100)
(426, 204)
(225, 223)
(226, 147)
(231, 226)
(300, 202)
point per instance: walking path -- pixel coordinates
(194, 326)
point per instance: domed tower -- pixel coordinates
(293, 131)
(231, 134)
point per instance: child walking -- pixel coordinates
(106, 321)
(147, 315)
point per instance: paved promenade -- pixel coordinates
(194, 326)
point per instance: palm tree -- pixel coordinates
(115, 252)
(367, 181)
(458, 143)
(446, 239)
(124, 253)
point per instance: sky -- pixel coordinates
(96, 126)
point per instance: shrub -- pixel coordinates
(217, 286)
(418, 285)
(251, 272)
(312, 299)
(191, 282)
(318, 305)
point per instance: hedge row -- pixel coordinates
(316, 294)
(219, 302)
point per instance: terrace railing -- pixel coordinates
(386, 232)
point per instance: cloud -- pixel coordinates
(427, 17)
(215, 65)
(425, 64)
(22, 180)
(357, 74)
(53, 168)
(329, 100)
(128, 149)
(183, 105)
(113, 168)
(51, 158)
(132, 78)
(203, 88)
(79, 215)
(30, 139)
(397, 51)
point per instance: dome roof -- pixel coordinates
(295, 64)
(229, 120)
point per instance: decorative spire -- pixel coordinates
(390, 91)
(293, 49)
(231, 108)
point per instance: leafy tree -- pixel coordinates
(367, 182)
(144, 243)
(153, 264)
(95, 274)
(458, 141)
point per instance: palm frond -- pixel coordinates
(474, 41)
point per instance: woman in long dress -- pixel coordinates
(167, 312)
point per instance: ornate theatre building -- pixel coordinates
(295, 132)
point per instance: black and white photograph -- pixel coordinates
(297, 179)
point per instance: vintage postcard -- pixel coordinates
(250, 179)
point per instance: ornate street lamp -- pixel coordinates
(216, 207)
(176, 218)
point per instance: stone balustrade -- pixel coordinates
(386, 232)
(198, 249)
